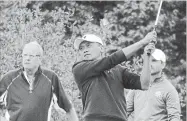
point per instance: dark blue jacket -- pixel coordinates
(102, 84)
(25, 106)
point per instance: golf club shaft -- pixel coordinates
(154, 29)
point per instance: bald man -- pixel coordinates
(28, 93)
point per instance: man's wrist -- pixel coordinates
(142, 42)
(147, 56)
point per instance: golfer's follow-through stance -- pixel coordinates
(27, 93)
(102, 81)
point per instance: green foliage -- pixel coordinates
(55, 25)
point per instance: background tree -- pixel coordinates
(55, 25)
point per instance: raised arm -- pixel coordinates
(130, 50)
(86, 69)
(133, 81)
(145, 76)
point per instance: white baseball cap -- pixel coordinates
(89, 38)
(159, 55)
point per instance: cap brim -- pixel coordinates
(77, 42)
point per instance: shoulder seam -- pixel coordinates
(12, 81)
(48, 80)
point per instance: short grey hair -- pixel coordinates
(35, 43)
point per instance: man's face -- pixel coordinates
(31, 57)
(90, 50)
(156, 66)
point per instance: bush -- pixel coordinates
(55, 25)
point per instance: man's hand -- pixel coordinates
(149, 49)
(150, 38)
(72, 115)
(130, 50)
(3, 118)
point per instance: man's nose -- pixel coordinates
(27, 58)
(85, 51)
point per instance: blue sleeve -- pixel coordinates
(62, 98)
(173, 105)
(130, 80)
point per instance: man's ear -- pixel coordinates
(163, 65)
(41, 60)
(78, 56)
(102, 49)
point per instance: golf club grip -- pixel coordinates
(149, 51)
(153, 41)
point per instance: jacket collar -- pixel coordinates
(38, 72)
